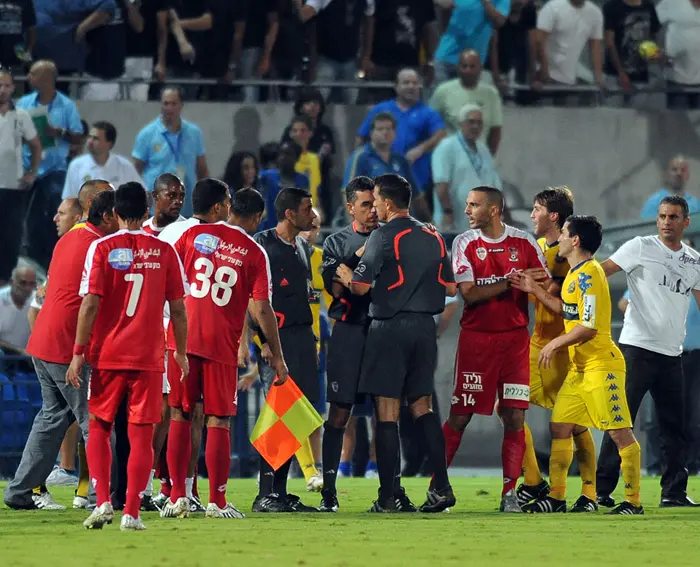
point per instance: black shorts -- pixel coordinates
(299, 348)
(345, 351)
(400, 357)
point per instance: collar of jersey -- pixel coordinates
(580, 264)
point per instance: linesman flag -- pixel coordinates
(287, 419)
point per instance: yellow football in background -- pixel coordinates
(648, 49)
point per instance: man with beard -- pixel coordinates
(169, 193)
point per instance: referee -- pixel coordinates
(661, 273)
(407, 268)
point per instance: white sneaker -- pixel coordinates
(100, 516)
(179, 509)
(80, 502)
(315, 483)
(45, 501)
(131, 524)
(230, 511)
(59, 477)
(372, 474)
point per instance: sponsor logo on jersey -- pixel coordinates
(686, 259)
(471, 381)
(121, 258)
(589, 309)
(572, 287)
(514, 254)
(206, 243)
(462, 269)
(361, 268)
(494, 279)
(569, 311)
(520, 392)
(495, 250)
(481, 253)
(584, 282)
(618, 419)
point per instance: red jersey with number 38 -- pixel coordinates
(135, 274)
(225, 268)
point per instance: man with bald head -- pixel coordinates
(14, 306)
(168, 198)
(69, 212)
(677, 178)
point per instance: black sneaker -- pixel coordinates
(584, 504)
(295, 503)
(271, 503)
(680, 502)
(403, 502)
(438, 500)
(527, 494)
(329, 501)
(196, 506)
(546, 505)
(626, 509)
(147, 504)
(606, 501)
(388, 507)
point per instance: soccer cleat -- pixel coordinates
(229, 511)
(315, 483)
(606, 501)
(626, 509)
(196, 506)
(45, 501)
(403, 502)
(509, 503)
(271, 503)
(179, 509)
(100, 516)
(131, 524)
(681, 502)
(584, 504)
(80, 503)
(159, 500)
(546, 505)
(295, 503)
(438, 500)
(527, 494)
(61, 477)
(147, 504)
(388, 507)
(329, 501)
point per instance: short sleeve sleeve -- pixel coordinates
(434, 122)
(261, 288)
(535, 256)
(141, 146)
(497, 115)
(329, 264)
(597, 27)
(176, 284)
(589, 287)
(546, 18)
(446, 274)
(27, 125)
(461, 264)
(372, 260)
(627, 255)
(75, 125)
(92, 281)
(199, 143)
(440, 162)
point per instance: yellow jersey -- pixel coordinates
(548, 325)
(320, 299)
(586, 301)
(310, 165)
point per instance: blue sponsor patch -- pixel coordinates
(584, 282)
(206, 243)
(121, 258)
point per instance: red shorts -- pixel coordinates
(142, 389)
(488, 364)
(212, 383)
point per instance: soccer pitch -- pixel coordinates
(473, 533)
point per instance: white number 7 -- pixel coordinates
(135, 292)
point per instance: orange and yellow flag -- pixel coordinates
(286, 419)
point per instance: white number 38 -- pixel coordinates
(221, 290)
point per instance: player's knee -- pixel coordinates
(513, 419)
(561, 430)
(459, 422)
(579, 430)
(339, 415)
(622, 437)
(420, 406)
(222, 422)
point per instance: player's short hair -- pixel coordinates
(678, 201)
(164, 180)
(383, 117)
(493, 195)
(90, 189)
(467, 109)
(395, 188)
(207, 193)
(247, 202)
(269, 152)
(173, 88)
(557, 200)
(73, 205)
(130, 201)
(102, 204)
(303, 119)
(109, 130)
(289, 198)
(588, 229)
(357, 184)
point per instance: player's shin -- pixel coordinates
(99, 455)
(332, 446)
(585, 456)
(279, 484)
(559, 463)
(434, 443)
(532, 475)
(631, 472)
(387, 451)
(139, 466)
(179, 449)
(83, 472)
(453, 438)
(512, 452)
(218, 458)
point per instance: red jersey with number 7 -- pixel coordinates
(135, 274)
(225, 268)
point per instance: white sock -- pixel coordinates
(149, 485)
(188, 487)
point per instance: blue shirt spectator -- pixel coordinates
(677, 177)
(651, 207)
(270, 184)
(366, 161)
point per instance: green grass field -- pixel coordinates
(473, 533)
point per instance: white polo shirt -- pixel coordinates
(14, 325)
(682, 39)
(15, 125)
(660, 282)
(117, 170)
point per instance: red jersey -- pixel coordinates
(476, 258)
(54, 331)
(135, 274)
(226, 267)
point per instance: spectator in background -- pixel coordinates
(682, 21)
(170, 144)
(450, 98)
(17, 33)
(419, 128)
(301, 130)
(627, 24)
(471, 25)
(99, 162)
(677, 177)
(189, 24)
(241, 171)
(15, 301)
(259, 37)
(460, 163)
(69, 212)
(79, 148)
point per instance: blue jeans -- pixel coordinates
(330, 70)
(41, 236)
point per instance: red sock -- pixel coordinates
(162, 471)
(218, 458)
(512, 452)
(452, 440)
(179, 449)
(139, 466)
(99, 456)
(195, 491)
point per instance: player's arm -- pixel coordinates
(329, 265)
(610, 267)
(265, 317)
(86, 320)
(369, 266)
(474, 294)
(696, 295)
(626, 258)
(547, 296)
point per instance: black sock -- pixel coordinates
(434, 443)
(387, 450)
(281, 474)
(331, 449)
(397, 470)
(267, 476)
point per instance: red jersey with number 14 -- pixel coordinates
(135, 274)
(225, 268)
(476, 258)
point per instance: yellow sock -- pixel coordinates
(631, 472)
(585, 456)
(559, 463)
(305, 456)
(83, 473)
(37, 490)
(531, 470)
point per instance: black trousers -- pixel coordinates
(662, 377)
(691, 376)
(12, 211)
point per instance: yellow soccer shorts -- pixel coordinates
(545, 383)
(593, 399)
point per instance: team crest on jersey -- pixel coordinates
(86, 177)
(572, 287)
(514, 255)
(206, 243)
(157, 148)
(584, 282)
(121, 258)
(481, 253)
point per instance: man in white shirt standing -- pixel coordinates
(661, 273)
(15, 301)
(99, 162)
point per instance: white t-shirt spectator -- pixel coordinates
(682, 39)
(569, 30)
(660, 282)
(117, 170)
(15, 125)
(14, 325)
